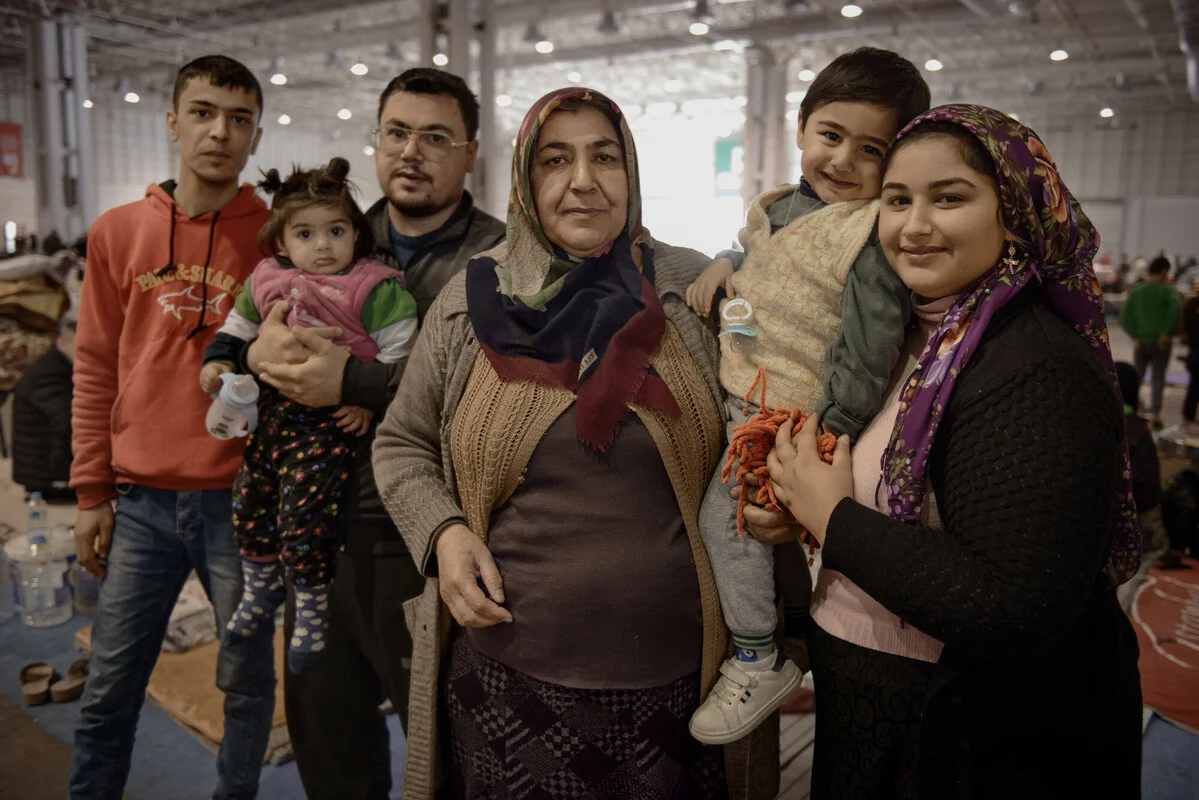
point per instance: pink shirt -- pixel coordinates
(840, 606)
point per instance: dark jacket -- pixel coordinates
(1037, 693)
(41, 426)
(372, 384)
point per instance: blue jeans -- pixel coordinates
(159, 536)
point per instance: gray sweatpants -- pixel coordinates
(745, 569)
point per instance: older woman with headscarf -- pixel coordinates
(968, 641)
(544, 459)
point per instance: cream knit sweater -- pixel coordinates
(794, 280)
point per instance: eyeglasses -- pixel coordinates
(433, 145)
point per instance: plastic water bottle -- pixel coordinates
(45, 595)
(234, 409)
(7, 604)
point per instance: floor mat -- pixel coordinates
(184, 685)
(35, 762)
(1163, 613)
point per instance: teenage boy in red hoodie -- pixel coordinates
(162, 274)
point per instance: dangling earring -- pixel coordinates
(1011, 262)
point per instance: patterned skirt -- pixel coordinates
(514, 737)
(868, 708)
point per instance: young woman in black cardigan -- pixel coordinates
(968, 642)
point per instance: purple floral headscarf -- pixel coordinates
(1055, 244)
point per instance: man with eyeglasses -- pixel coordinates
(426, 227)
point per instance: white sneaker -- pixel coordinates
(742, 698)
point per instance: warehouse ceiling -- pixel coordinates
(1122, 54)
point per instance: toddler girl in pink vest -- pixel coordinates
(289, 498)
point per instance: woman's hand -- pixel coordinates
(803, 483)
(768, 527)
(461, 559)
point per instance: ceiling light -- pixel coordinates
(725, 45)
(132, 97)
(279, 79)
(673, 85)
(441, 59)
(503, 100)
(284, 119)
(740, 101)
(277, 76)
(807, 75)
(1107, 113)
(345, 113)
(795, 97)
(368, 151)
(1015, 116)
(608, 24)
(851, 11)
(933, 65)
(1059, 55)
(88, 103)
(545, 47)
(701, 18)
(360, 69)
(574, 77)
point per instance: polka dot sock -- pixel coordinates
(262, 593)
(311, 629)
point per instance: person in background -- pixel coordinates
(426, 227)
(41, 418)
(1150, 317)
(161, 275)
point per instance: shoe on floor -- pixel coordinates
(35, 682)
(71, 687)
(742, 699)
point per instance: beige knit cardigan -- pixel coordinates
(415, 471)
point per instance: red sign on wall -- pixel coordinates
(11, 165)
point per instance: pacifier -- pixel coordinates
(738, 317)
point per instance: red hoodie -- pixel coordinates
(138, 411)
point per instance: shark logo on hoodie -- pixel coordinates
(190, 300)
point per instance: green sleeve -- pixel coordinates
(245, 304)
(736, 256)
(387, 304)
(858, 363)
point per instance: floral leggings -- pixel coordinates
(288, 496)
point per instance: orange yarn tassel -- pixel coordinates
(750, 446)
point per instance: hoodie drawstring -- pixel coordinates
(171, 257)
(204, 280)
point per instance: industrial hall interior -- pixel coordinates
(599, 399)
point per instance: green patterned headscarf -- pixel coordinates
(530, 266)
